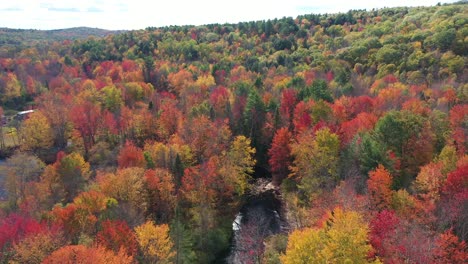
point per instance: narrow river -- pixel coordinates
(258, 219)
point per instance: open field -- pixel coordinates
(10, 136)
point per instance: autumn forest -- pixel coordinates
(165, 145)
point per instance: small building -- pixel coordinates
(25, 112)
(20, 116)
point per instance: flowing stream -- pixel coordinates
(258, 218)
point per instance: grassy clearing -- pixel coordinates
(10, 136)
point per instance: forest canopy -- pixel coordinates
(142, 146)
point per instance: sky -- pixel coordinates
(139, 14)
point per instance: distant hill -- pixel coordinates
(10, 36)
(82, 32)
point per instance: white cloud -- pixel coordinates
(138, 14)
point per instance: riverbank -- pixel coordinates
(259, 218)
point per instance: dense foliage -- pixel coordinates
(143, 144)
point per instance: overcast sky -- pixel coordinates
(139, 14)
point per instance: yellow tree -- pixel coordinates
(429, 181)
(304, 247)
(346, 238)
(64, 179)
(448, 158)
(205, 82)
(315, 164)
(155, 243)
(159, 155)
(12, 87)
(343, 239)
(36, 132)
(238, 164)
(127, 187)
(74, 173)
